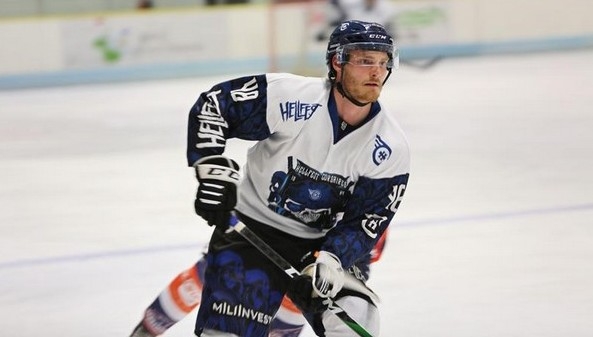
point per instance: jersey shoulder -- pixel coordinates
(294, 100)
(295, 84)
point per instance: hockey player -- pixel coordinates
(321, 185)
(182, 295)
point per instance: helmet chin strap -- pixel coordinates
(348, 96)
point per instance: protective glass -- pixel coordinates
(343, 55)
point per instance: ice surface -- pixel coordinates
(494, 237)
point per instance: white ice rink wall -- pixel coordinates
(200, 41)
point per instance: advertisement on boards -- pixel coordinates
(136, 40)
(422, 22)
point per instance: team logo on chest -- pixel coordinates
(382, 151)
(307, 195)
(297, 110)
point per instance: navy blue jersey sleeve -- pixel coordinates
(231, 109)
(369, 212)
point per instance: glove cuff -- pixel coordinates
(218, 168)
(329, 259)
(326, 273)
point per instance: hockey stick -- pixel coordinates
(279, 261)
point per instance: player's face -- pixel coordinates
(363, 75)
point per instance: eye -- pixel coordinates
(367, 62)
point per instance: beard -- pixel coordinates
(361, 92)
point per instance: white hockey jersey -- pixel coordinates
(306, 175)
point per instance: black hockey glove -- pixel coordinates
(320, 280)
(217, 192)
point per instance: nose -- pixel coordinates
(375, 71)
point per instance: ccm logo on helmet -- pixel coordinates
(378, 36)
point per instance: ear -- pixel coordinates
(335, 64)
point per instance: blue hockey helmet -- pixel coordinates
(359, 35)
